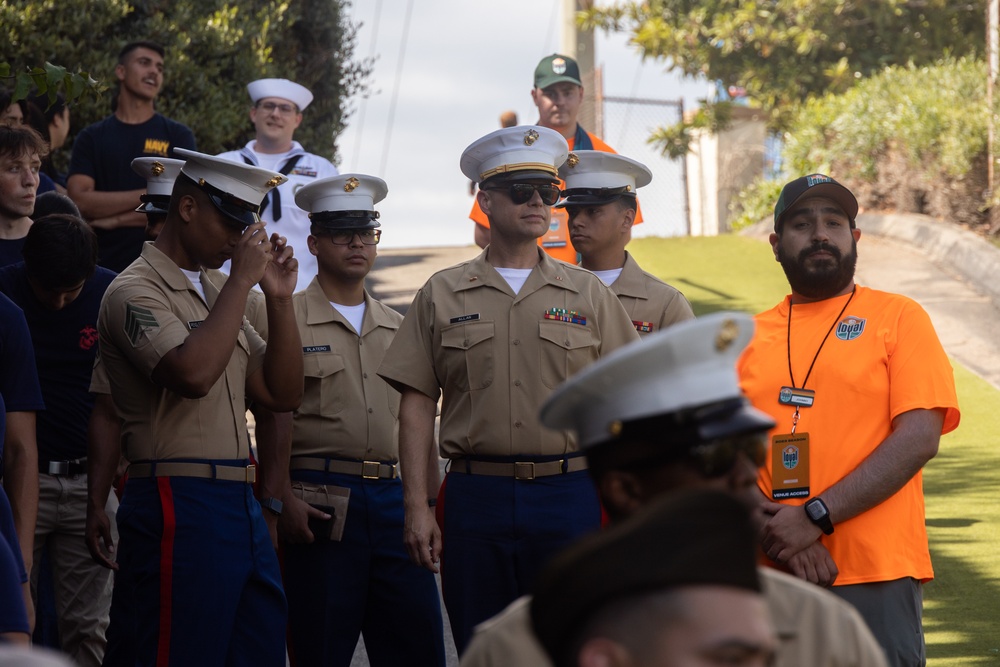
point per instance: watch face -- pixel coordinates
(815, 510)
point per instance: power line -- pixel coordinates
(395, 89)
(359, 135)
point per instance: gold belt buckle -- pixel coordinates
(251, 474)
(524, 470)
(367, 466)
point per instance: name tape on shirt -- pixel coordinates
(312, 349)
(464, 318)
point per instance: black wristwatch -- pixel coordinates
(819, 514)
(273, 505)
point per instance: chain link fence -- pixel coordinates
(627, 123)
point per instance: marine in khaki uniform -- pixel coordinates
(105, 427)
(600, 199)
(495, 335)
(346, 570)
(676, 585)
(198, 580)
(668, 417)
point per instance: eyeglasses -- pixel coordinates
(283, 109)
(718, 457)
(521, 193)
(346, 236)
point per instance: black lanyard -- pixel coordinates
(788, 341)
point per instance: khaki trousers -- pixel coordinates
(82, 587)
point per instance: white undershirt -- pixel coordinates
(353, 314)
(195, 278)
(272, 161)
(608, 277)
(514, 277)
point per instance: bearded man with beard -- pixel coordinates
(861, 391)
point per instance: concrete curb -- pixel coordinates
(969, 255)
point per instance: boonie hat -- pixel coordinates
(236, 189)
(682, 378)
(160, 174)
(596, 177)
(556, 69)
(695, 538)
(346, 201)
(815, 185)
(522, 152)
(283, 88)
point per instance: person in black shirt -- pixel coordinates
(59, 287)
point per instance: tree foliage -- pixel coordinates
(907, 139)
(214, 48)
(785, 52)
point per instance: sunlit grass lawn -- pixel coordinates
(962, 484)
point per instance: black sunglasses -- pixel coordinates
(521, 193)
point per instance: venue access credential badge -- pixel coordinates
(790, 466)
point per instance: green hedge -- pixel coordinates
(910, 139)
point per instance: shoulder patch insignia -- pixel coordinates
(137, 320)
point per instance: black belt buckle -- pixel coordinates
(65, 468)
(58, 467)
(524, 470)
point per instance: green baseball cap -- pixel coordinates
(556, 69)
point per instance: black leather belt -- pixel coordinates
(365, 469)
(63, 468)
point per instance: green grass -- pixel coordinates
(962, 604)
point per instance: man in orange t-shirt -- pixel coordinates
(558, 94)
(862, 390)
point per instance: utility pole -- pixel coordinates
(579, 45)
(993, 60)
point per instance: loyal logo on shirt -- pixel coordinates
(850, 327)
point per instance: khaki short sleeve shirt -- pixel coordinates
(256, 311)
(347, 410)
(814, 627)
(651, 304)
(496, 356)
(148, 310)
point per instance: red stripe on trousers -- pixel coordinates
(166, 570)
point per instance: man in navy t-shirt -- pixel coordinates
(18, 451)
(59, 287)
(101, 180)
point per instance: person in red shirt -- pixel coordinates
(558, 94)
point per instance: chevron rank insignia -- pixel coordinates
(138, 320)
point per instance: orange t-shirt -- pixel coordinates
(883, 359)
(556, 240)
